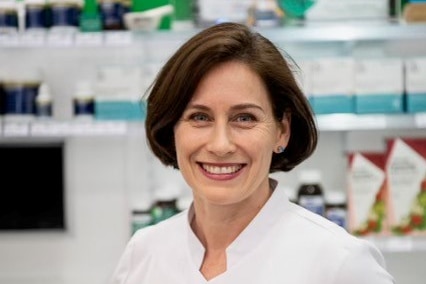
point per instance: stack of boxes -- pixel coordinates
(387, 190)
(365, 86)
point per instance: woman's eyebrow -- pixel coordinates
(237, 107)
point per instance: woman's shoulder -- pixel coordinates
(157, 236)
(322, 230)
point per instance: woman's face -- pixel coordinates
(226, 136)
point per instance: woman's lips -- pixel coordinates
(221, 171)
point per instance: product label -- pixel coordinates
(314, 203)
(366, 180)
(406, 170)
(337, 215)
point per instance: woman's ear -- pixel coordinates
(284, 132)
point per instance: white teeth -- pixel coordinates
(222, 170)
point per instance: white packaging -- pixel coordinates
(331, 76)
(379, 76)
(212, 11)
(415, 76)
(348, 9)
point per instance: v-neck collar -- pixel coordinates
(248, 239)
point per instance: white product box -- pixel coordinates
(406, 176)
(332, 85)
(348, 9)
(415, 84)
(379, 85)
(213, 11)
(303, 76)
(367, 193)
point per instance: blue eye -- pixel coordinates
(245, 118)
(199, 117)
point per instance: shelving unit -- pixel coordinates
(63, 128)
(310, 33)
(67, 57)
(329, 122)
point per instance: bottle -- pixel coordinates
(141, 216)
(44, 102)
(90, 18)
(65, 15)
(84, 100)
(336, 207)
(20, 89)
(36, 16)
(310, 193)
(9, 20)
(165, 205)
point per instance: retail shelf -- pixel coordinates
(314, 32)
(63, 128)
(329, 122)
(399, 243)
(358, 31)
(351, 122)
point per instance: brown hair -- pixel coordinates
(178, 79)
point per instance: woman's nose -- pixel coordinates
(221, 142)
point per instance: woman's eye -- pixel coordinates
(199, 117)
(245, 118)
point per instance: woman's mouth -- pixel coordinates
(221, 170)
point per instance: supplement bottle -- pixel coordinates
(336, 207)
(310, 193)
(84, 100)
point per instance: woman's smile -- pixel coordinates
(221, 171)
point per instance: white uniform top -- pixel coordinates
(284, 243)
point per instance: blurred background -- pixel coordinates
(77, 175)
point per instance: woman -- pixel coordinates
(226, 111)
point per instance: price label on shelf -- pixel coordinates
(14, 129)
(89, 39)
(9, 39)
(420, 120)
(399, 244)
(118, 38)
(60, 39)
(33, 39)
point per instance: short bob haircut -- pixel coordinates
(177, 81)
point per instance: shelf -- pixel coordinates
(314, 32)
(63, 128)
(399, 243)
(352, 122)
(329, 122)
(358, 31)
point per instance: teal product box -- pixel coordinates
(338, 103)
(415, 84)
(120, 110)
(332, 85)
(379, 86)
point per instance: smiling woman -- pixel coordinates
(226, 111)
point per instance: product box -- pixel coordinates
(415, 84)
(303, 76)
(332, 85)
(379, 86)
(406, 181)
(348, 10)
(119, 91)
(367, 193)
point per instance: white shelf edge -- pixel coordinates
(311, 32)
(11, 129)
(354, 122)
(395, 244)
